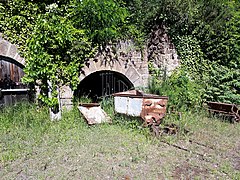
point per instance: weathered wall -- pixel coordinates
(128, 60)
(123, 58)
(161, 51)
(10, 51)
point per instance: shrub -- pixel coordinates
(183, 92)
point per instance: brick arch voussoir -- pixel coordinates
(86, 72)
(92, 67)
(9, 52)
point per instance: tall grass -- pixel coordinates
(25, 125)
(27, 135)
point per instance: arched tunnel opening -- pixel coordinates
(102, 84)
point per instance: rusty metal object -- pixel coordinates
(225, 109)
(93, 113)
(154, 109)
(151, 108)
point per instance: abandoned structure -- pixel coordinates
(11, 71)
(114, 69)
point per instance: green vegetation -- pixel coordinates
(56, 38)
(206, 36)
(184, 93)
(32, 146)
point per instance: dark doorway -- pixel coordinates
(12, 90)
(101, 84)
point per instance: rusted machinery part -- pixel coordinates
(155, 130)
(226, 109)
(152, 119)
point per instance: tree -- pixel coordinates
(56, 38)
(55, 52)
(103, 20)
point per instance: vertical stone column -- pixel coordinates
(66, 97)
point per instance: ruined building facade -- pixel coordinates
(121, 66)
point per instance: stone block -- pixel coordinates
(130, 73)
(20, 60)
(66, 102)
(143, 70)
(12, 51)
(145, 80)
(82, 76)
(90, 66)
(118, 66)
(4, 47)
(136, 55)
(66, 92)
(135, 77)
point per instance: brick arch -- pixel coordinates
(9, 52)
(135, 71)
(124, 58)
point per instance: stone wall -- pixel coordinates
(161, 51)
(124, 58)
(10, 52)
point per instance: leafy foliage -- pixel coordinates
(61, 35)
(183, 92)
(56, 38)
(103, 20)
(56, 52)
(206, 36)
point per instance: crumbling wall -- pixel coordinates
(162, 55)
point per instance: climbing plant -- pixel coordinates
(56, 37)
(103, 20)
(55, 52)
(206, 37)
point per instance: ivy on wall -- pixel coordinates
(206, 36)
(57, 37)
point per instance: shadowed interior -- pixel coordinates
(101, 84)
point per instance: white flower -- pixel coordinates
(51, 7)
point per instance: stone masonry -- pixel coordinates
(123, 57)
(161, 51)
(10, 52)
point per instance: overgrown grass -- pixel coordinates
(24, 126)
(53, 149)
